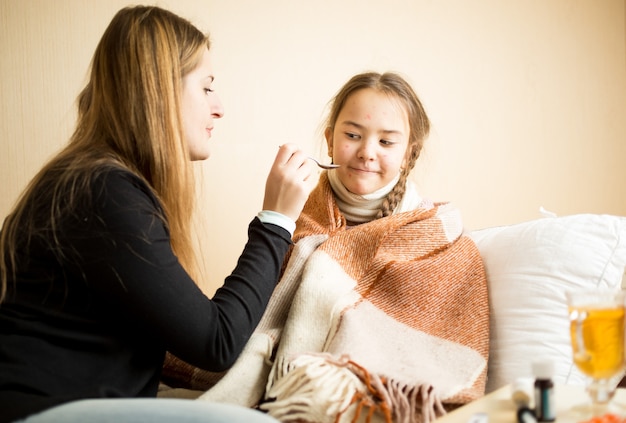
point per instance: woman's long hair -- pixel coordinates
(128, 117)
(397, 87)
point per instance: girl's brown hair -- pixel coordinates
(394, 85)
(128, 117)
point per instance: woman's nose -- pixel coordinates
(217, 109)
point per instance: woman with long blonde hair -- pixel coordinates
(97, 268)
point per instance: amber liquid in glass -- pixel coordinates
(600, 352)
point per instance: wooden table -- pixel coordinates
(499, 407)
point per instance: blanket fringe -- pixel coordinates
(310, 388)
(323, 389)
(419, 404)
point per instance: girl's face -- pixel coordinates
(199, 107)
(369, 141)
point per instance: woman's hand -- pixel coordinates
(290, 181)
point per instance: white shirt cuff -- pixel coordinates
(278, 219)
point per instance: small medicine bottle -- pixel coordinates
(544, 391)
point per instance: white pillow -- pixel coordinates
(529, 268)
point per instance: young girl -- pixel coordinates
(96, 259)
(375, 132)
(390, 311)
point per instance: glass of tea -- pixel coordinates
(597, 336)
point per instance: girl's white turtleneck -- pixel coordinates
(363, 208)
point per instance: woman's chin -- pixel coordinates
(199, 156)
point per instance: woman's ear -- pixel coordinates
(328, 134)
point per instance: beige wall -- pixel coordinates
(527, 97)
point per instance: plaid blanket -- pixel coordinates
(384, 321)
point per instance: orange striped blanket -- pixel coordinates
(385, 321)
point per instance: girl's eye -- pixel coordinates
(208, 90)
(352, 136)
(385, 142)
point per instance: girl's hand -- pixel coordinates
(290, 181)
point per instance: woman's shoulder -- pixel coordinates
(117, 185)
(117, 176)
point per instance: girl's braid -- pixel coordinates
(397, 193)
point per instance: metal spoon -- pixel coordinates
(325, 166)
